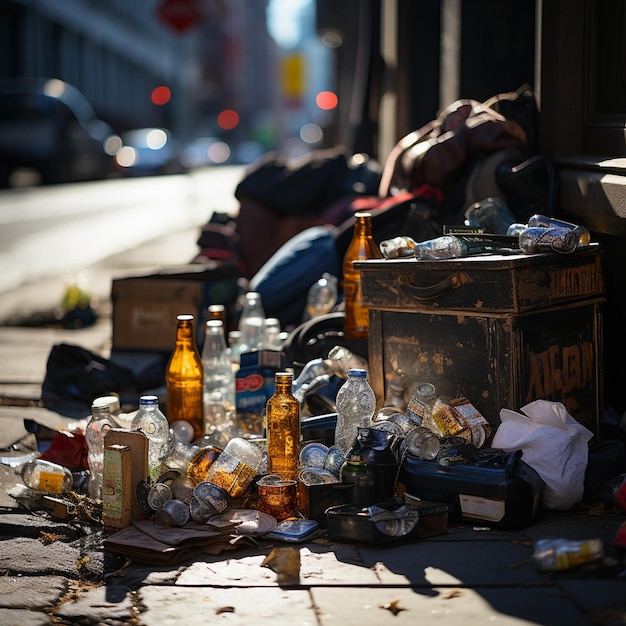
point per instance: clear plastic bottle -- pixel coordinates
(218, 389)
(322, 296)
(492, 214)
(444, 247)
(315, 374)
(272, 334)
(550, 555)
(362, 247)
(398, 248)
(151, 421)
(235, 468)
(283, 429)
(184, 379)
(544, 221)
(356, 405)
(189, 458)
(252, 322)
(235, 342)
(122, 418)
(99, 424)
(47, 476)
(341, 361)
(535, 240)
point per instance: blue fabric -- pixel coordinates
(285, 278)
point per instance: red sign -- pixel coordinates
(179, 15)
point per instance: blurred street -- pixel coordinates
(58, 235)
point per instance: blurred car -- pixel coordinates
(47, 125)
(205, 151)
(248, 152)
(146, 152)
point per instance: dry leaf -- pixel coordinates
(392, 606)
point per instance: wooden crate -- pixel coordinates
(500, 330)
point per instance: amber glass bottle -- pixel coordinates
(283, 429)
(184, 378)
(362, 246)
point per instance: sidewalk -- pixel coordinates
(56, 572)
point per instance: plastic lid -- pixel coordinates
(113, 402)
(357, 372)
(148, 400)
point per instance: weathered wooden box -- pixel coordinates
(501, 330)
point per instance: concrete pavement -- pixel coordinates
(57, 573)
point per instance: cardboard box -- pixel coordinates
(137, 442)
(116, 487)
(145, 306)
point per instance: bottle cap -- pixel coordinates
(148, 400)
(360, 373)
(113, 402)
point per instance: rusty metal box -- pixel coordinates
(501, 330)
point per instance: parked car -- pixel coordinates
(206, 151)
(48, 125)
(147, 152)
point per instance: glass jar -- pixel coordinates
(235, 468)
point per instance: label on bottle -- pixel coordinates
(50, 482)
(184, 402)
(234, 481)
(254, 386)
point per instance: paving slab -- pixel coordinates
(31, 592)
(99, 605)
(435, 563)
(443, 606)
(319, 565)
(23, 617)
(27, 556)
(199, 606)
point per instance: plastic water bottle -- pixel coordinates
(99, 424)
(153, 423)
(252, 322)
(356, 404)
(544, 221)
(551, 555)
(235, 342)
(272, 334)
(218, 388)
(322, 296)
(315, 374)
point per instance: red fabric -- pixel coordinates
(68, 450)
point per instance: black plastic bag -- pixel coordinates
(75, 377)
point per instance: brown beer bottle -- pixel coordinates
(362, 246)
(283, 429)
(183, 378)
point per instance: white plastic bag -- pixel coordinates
(553, 443)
